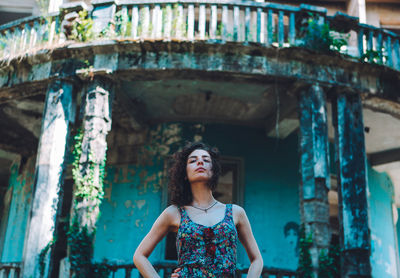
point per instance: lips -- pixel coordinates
(200, 169)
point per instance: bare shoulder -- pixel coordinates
(238, 209)
(172, 216)
(238, 213)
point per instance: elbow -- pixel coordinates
(136, 258)
(258, 262)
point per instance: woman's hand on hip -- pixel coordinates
(175, 274)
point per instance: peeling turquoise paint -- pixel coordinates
(383, 241)
(270, 196)
(19, 210)
(131, 203)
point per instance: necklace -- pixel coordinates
(205, 210)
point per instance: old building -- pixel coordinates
(301, 100)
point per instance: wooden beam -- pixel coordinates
(384, 157)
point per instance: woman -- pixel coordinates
(207, 230)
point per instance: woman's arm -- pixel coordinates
(160, 228)
(247, 239)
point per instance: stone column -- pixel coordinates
(96, 123)
(314, 168)
(58, 113)
(352, 176)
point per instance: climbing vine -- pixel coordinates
(329, 262)
(85, 186)
(82, 29)
(43, 254)
(319, 36)
(305, 268)
(80, 239)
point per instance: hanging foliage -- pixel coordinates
(80, 238)
(305, 268)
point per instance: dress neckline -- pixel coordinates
(223, 219)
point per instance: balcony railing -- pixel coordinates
(165, 268)
(212, 21)
(10, 270)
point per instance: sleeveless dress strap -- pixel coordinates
(182, 211)
(230, 212)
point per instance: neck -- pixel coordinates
(202, 195)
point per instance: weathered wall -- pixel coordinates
(21, 182)
(383, 235)
(132, 204)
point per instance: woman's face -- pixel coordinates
(198, 166)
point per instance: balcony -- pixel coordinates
(267, 25)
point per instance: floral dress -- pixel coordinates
(207, 251)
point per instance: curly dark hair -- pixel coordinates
(179, 186)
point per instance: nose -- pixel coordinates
(200, 162)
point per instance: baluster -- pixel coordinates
(8, 47)
(128, 272)
(57, 27)
(135, 22)
(260, 33)
(124, 20)
(360, 42)
(190, 22)
(179, 22)
(224, 22)
(389, 51)
(213, 23)
(270, 27)
(42, 32)
(202, 21)
(379, 47)
(396, 50)
(52, 32)
(14, 40)
(281, 29)
(25, 36)
(7, 272)
(247, 16)
(145, 21)
(13, 273)
(168, 22)
(292, 28)
(157, 22)
(236, 22)
(370, 46)
(33, 38)
(23, 39)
